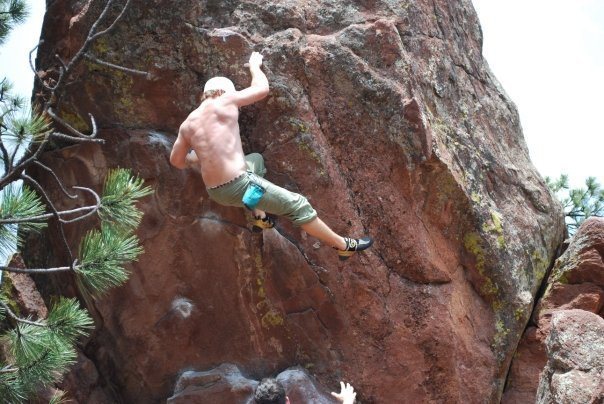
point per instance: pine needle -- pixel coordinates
(121, 192)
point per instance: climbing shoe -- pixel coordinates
(259, 224)
(353, 245)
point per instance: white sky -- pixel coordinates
(549, 57)
(547, 54)
(15, 51)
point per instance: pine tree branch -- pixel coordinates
(43, 218)
(36, 270)
(90, 210)
(42, 191)
(19, 319)
(15, 172)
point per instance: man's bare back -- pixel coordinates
(212, 130)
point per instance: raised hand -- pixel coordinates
(346, 395)
(255, 60)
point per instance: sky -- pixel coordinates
(547, 54)
(15, 52)
(549, 57)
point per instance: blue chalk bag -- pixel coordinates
(252, 195)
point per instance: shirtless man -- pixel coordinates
(212, 132)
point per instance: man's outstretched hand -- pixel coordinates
(255, 60)
(346, 395)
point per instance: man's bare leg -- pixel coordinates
(318, 229)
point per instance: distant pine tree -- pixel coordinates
(12, 13)
(36, 352)
(578, 203)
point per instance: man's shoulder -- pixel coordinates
(193, 116)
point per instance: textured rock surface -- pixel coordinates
(225, 384)
(387, 117)
(576, 282)
(575, 368)
(24, 292)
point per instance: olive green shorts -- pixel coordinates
(276, 200)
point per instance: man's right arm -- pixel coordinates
(178, 156)
(259, 87)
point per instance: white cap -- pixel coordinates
(219, 83)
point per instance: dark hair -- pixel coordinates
(211, 94)
(269, 391)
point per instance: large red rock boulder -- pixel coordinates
(574, 372)
(576, 282)
(387, 117)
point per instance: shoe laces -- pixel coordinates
(351, 244)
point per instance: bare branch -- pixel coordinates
(96, 207)
(61, 61)
(4, 156)
(34, 270)
(13, 154)
(8, 369)
(136, 72)
(91, 32)
(83, 48)
(59, 135)
(93, 122)
(119, 17)
(19, 319)
(67, 126)
(33, 69)
(25, 161)
(48, 169)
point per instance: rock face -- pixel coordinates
(23, 291)
(576, 282)
(575, 368)
(386, 116)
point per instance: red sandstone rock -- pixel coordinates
(24, 291)
(575, 368)
(386, 116)
(575, 283)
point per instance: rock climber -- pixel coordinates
(209, 141)
(271, 391)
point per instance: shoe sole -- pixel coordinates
(258, 229)
(344, 255)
